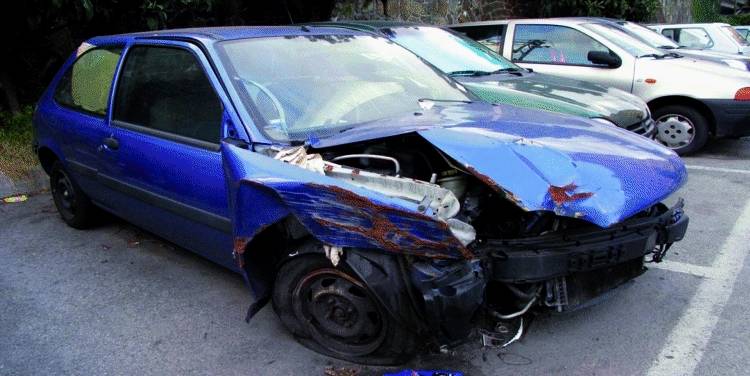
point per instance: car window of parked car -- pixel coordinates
(166, 89)
(491, 36)
(745, 33)
(86, 84)
(553, 44)
(732, 33)
(650, 37)
(430, 43)
(689, 37)
(304, 87)
(615, 35)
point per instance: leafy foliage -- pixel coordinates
(16, 134)
(706, 11)
(634, 10)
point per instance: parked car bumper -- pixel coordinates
(645, 128)
(732, 117)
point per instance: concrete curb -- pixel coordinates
(35, 181)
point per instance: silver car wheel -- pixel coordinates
(674, 131)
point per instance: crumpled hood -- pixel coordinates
(556, 94)
(545, 161)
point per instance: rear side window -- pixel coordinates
(165, 89)
(491, 36)
(86, 84)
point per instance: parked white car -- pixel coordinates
(720, 37)
(656, 40)
(690, 99)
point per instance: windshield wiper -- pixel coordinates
(420, 100)
(469, 73)
(655, 56)
(509, 70)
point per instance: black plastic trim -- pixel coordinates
(545, 257)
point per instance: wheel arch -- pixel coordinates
(47, 157)
(685, 101)
(287, 240)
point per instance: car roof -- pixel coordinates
(367, 25)
(692, 24)
(564, 20)
(221, 33)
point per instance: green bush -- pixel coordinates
(634, 10)
(16, 135)
(738, 19)
(706, 11)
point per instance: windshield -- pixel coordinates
(732, 33)
(302, 87)
(649, 36)
(449, 52)
(618, 37)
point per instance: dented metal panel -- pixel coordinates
(333, 210)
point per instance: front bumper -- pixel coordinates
(545, 257)
(645, 128)
(570, 270)
(732, 117)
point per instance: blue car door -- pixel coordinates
(162, 160)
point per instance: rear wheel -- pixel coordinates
(74, 206)
(681, 128)
(332, 312)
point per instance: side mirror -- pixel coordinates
(605, 58)
(529, 70)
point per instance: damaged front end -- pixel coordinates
(455, 228)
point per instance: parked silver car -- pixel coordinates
(690, 99)
(720, 37)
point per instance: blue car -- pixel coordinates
(369, 197)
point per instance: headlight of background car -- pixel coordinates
(737, 64)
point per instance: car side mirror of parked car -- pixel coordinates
(605, 58)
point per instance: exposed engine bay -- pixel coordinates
(412, 169)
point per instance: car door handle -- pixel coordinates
(110, 143)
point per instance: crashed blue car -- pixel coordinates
(370, 198)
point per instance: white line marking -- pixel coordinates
(681, 267)
(688, 340)
(718, 169)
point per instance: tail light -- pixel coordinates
(742, 94)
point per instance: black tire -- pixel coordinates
(74, 206)
(332, 312)
(675, 123)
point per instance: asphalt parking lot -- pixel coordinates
(115, 300)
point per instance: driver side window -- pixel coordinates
(553, 44)
(166, 90)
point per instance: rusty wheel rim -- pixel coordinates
(339, 312)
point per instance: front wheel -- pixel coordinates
(681, 128)
(332, 312)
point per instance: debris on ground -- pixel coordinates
(343, 371)
(15, 199)
(411, 372)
